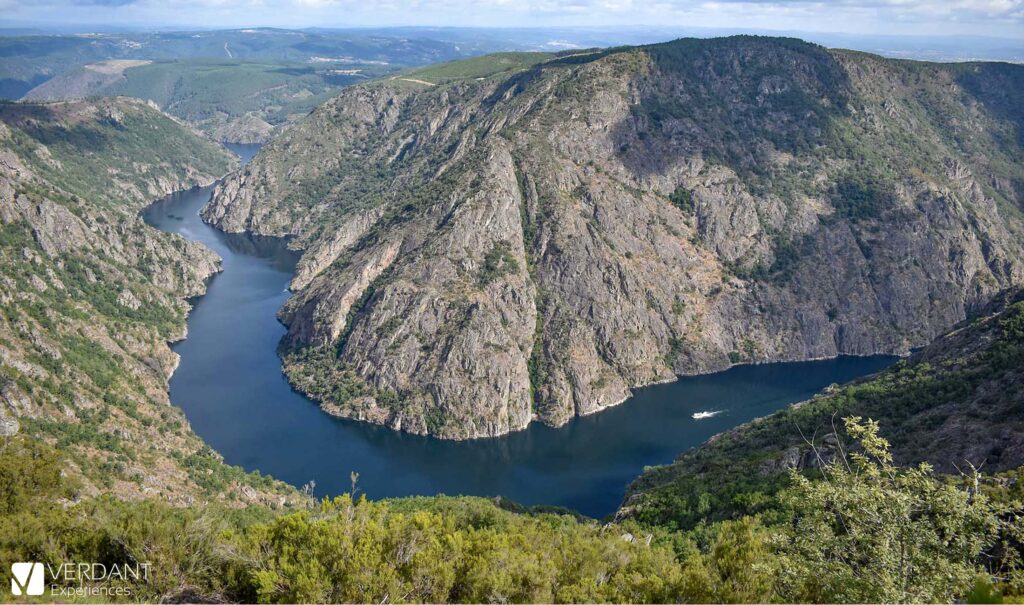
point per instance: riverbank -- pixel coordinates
(230, 385)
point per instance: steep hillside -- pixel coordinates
(228, 100)
(86, 81)
(489, 245)
(956, 403)
(89, 297)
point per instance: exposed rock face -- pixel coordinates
(85, 81)
(245, 129)
(489, 250)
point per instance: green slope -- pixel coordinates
(957, 402)
(109, 151)
(487, 66)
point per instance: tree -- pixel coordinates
(735, 566)
(869, 531)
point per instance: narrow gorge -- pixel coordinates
(231, 387)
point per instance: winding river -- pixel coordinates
(231, 388)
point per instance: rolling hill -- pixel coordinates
(231, 101)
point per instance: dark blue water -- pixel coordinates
(230, 385)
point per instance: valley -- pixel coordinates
(230, 101)
(348, 317)
(91, 295)
(230, 385)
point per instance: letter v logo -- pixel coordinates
(27, 579)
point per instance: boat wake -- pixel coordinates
(703, 415)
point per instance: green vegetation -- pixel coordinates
(682, 198)
(791, 114)
(235, 100)
(487, 66)
(535, 366)
(316, 370)
(742, 472)
(860, 196)
(111, 151)
(498, 262)
(339, 550)
(869, 531)
(196, 90)
(32, 60)
(91, 295)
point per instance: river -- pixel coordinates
(230, 385)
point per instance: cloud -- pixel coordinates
(102, 2)
(992, 17)
(316, 3)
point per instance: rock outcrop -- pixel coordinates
(485, 250)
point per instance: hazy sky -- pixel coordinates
(1002, 18)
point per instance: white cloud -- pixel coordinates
(995, 17)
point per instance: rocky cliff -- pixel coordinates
(90, 295)
(493, 244)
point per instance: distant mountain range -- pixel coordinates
(28, 61)
(231, 101)
(29, 57)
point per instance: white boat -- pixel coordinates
(703, 415)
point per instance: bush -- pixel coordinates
(860, 196)
(873, 532)
(682, 198)
(498, 262)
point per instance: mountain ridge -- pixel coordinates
(488, 250)
(228, 100)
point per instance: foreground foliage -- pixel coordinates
(867, 531)
(871, 532)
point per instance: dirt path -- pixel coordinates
(415, 80)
